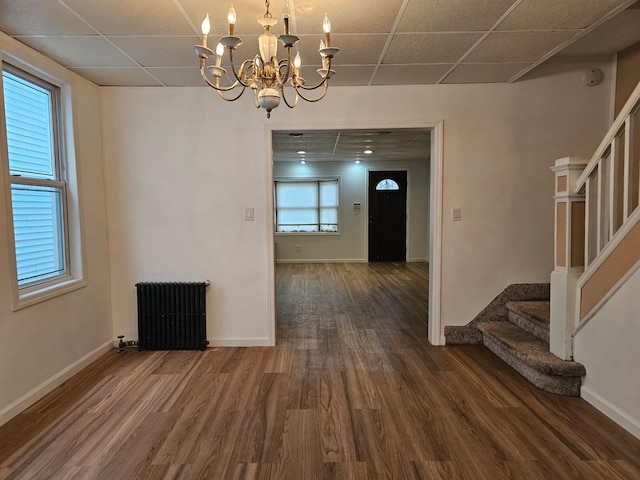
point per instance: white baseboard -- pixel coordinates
(418, 259)
(28, 399)
(241, 342)
(321, 260)
(627, 422)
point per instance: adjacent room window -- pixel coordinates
(306, 206)
(38, 185)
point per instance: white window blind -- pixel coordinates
(306, 206)
(37, 187)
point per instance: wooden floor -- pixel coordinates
(352, 391)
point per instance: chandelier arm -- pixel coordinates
(323, 81)
(231, 99)
(215, 85)
(284, 98)
(238, 74)
(285, 62)
(312, 100)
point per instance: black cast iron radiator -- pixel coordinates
(172, 315)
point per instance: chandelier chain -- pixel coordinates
(267, 4)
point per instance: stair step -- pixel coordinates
(531, 316)
(531, 358)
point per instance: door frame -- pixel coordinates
(436, 330)
(406, 203)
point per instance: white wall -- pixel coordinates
(182, 165)
(608, 348)
(351, 244)
(42, 345)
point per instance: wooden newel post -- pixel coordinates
(569, 254)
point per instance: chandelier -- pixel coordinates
(264, 73)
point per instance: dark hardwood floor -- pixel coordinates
(352, 391)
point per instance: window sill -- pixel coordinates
(297, 234)
(46, 291)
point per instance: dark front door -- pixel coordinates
(387, 216)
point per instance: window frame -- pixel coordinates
(30, 293)
(335, 178)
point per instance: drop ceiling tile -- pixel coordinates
(554, 14)
(349, 76)
(39, 17)
(429, 47)
(451, 15)
(79, 51)
(484, 72)
(354, 49)
(118, 76)
(126, 17)
(410, 74)
(619, 33)
(247, 14)
(160, 51)
(372, 16)
(514, 47)
(179, 76)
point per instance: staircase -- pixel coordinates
(522, 341)
(515, 327)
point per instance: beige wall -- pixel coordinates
(42, 344)
(182, 165)
(607, 347)
(627, 75)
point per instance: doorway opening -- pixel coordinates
(317, 155)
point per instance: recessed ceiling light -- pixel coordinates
(357, 161)
(302, 152)
(302, 162)
(368, 152)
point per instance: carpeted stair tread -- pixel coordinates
(530, 350)
(531, 316)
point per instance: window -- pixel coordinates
(387, 184)
(45, 231)
(306, 206)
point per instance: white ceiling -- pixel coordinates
(382, 42)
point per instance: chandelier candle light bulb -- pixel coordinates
(286, 13)
(265, 74)
(231, 18)
(297, 63)
(206, 28)
(219, 52)
(326, 26)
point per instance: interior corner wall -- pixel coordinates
(182, 165)
(43, 344)
(607, 347)
(351, 244)
(627, 75)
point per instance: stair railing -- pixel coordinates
(611, 185)
(597, 227)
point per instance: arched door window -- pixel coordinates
(387, 184)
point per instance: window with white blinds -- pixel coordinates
(38, 187)
(306, 206)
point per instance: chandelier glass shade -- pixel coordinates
(264, 74)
